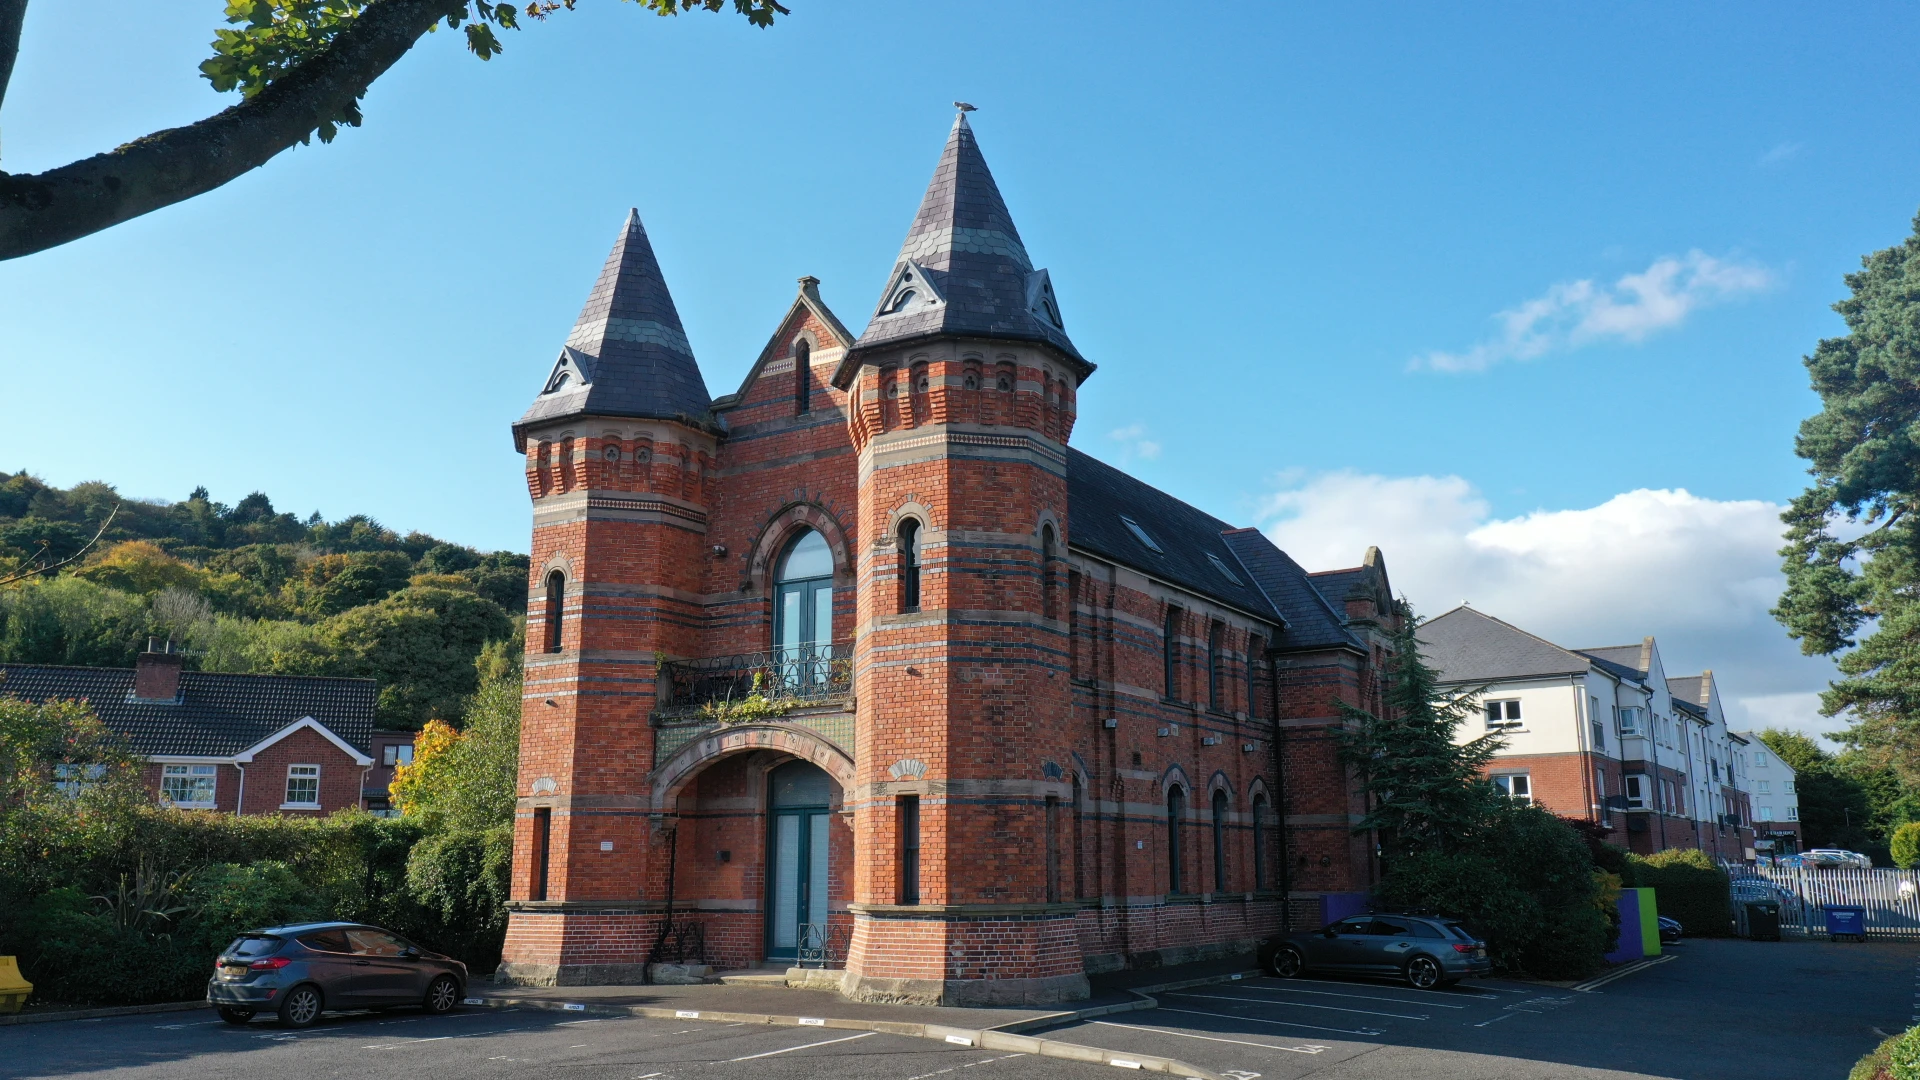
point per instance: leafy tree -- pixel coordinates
(420, 644)
(139, 566)
(70, 621)
(466, 778)
(1424, 786)
(1853, 537)
(300, 67)
(1905, 847)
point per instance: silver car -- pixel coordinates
(1426, 951)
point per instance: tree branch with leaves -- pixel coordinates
(300, 67)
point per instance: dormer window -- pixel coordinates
(900, 302)
(1142, 535)
(559, 381)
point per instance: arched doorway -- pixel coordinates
(799, 795)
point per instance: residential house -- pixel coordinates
(389, 749)
(1771, 785)
(1599, 735)
(252, 744)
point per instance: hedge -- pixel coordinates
(1898, 1058)
(1688, 886)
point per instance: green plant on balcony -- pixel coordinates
(756, 707)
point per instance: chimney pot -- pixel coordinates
(156, 675)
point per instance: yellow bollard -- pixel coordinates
(14, 988)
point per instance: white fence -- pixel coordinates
(1890, 898)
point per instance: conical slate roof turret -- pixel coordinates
(627, 355)
(963, 270)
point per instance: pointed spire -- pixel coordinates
(963, 269)
(627, 354)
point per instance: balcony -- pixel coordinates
(810, 686)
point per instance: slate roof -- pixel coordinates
(1336, 584)
(1465, 645)
(1271, 585)
(218, 713)
(628, 354)
(1690, 689)
(1621, 660)
(964, 243)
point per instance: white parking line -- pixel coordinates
(1357, 997)
(1212, 1038)
(1402, 989)
(968, 1065)
(1275, 1023)
(1304, 1005)
(808, 1046)
(1497, 1019)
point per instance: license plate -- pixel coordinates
(233, 973)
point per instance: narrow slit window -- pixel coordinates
(1219, 841)
(1052, 811)
(1176, 810)
(802, 377)
(909, 807)
(1046, 571)
(909, 565)
(1259, 843)
(1171, 660)
(1216, 662)
(556, 607)
(1255, 648)
(542, 846)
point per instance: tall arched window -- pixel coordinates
(909, 565)
(803, 607)
(802, 376)
(1176, 812)
(1219, 841)
(1259, 841)
(556, 608)
(1046, 571)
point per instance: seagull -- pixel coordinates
(963, 106)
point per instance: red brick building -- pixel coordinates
(233, 743)
(864, 663)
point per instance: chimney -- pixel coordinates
(156, 674)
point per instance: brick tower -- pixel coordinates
(618, 444)
(960, 402)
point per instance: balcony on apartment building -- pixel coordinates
(809, 686)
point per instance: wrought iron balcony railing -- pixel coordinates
(804, 675)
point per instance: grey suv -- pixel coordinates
(1427, 951)
(297, 971)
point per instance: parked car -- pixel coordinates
(1670, 930)
(1832, 858)
(298, 971)
(1427, 951)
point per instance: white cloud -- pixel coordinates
(1574, 314)
(1134, 442)
(1698, 574)
(1780, 154)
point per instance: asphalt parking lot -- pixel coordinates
(1708, 1010)
(1712, 1010)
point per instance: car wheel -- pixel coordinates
(301, 1007)
(1423, 973)
(1287, 963)
(235, 1016)
(443, 994)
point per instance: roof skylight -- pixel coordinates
(1227, 571)
(1141, 535)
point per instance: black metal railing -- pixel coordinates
(683, 941)
(806, 673)
(822, 944)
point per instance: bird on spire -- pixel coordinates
(964, 107)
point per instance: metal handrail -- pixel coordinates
(821, 944)
(804, 672)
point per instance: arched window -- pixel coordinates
(1255, 648)
(909, 565)
(802, 377)
(1216, 660)
(1170, 658)
(803, 605)
(556, 607)
(1176, 811)
(1046, 571)
(1259, 841)
(1219, 841)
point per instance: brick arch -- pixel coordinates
(1256, 790)
(1219, 782)
(1177, 775)
(673, 776)
(781, 527)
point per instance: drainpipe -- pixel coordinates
(666, 920)
(240, 796)
(1653, 745)
(1581, 722)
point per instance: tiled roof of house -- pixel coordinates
(1465, 645)
(628, 354)
(1623, 660)
(963, 243)
(215, 713)
(1336, 584)
(1691, 689)
(1197, 551)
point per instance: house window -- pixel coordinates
(1517, 786)
(1141, 535)
(1787, 787)
(1763, 812)
(1046, 571)
(1216, 684)
(1259, 842)
(556, 604)
(1759, 759)
(397, 754)
(1219, 841)
(803, 605)
(542, 848)
(909, 565)
(1600, 791)
(303, 787)
(1599, 729)
(1793, 813)
(1761, 786)
(1636, 786)
(71, 780)
(802, 377)
(1170, 647)
(1629, 719)
(1176, 810)
(1052, 811)
(909, 807)
(189, 787)
(1502, 715)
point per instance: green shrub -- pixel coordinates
(1898, 1058)
(228, 900)
(1905, 847)
(460, 879)
(1688, 886)
(78, 953)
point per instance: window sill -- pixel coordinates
(189, 806)
(299, 806)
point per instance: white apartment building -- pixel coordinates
(1772, 785)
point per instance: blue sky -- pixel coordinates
(1281, 235)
